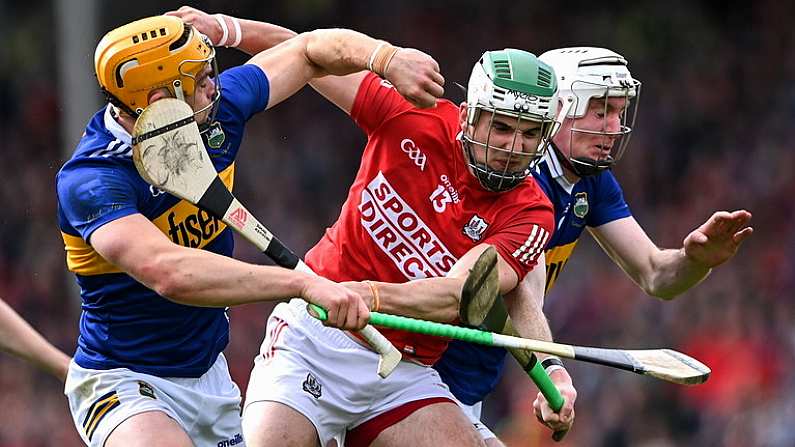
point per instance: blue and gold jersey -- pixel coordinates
(472, 371)
(123, 323)
(591, 202)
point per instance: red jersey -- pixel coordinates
(414, 207)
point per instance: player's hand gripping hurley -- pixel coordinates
(169, 154)
(481, 293)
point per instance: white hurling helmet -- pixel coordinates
(588, 74)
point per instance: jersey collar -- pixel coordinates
(115, 128)
(556, 169)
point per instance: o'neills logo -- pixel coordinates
(401, 234)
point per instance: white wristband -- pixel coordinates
(238, 32)
(224, 28)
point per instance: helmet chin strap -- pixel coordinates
(582, 166)
(586, 167)
(486, 177)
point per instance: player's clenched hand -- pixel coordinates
(718, 239)
(346, 308)
(416, 76)
(563, 420)
(203, 22)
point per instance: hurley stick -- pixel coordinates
(169, 154)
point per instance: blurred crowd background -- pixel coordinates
(716, 114)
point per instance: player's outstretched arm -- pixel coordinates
(666, 273)
(414, 74)
(19, 338)
(293, 63)
(438, 298)
(254, 36)
(434, 299)
(202, 278)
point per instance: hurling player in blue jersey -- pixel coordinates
(598, 98)
(19, 338)
(154, 271)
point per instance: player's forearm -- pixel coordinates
(260, 36)
(527, 315)
(434, 299)
(525, 304)
(672, 273)
(16, 335)
(201, 278)
(19, 338)
(49, 358)
(339, 51)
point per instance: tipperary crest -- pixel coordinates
(312, 386)
(215, 136)
(581, 204)
(146, 390)
(475, 228)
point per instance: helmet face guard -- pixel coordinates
(212, 107)
(516, 163)
(590, 79)
(613, 142)
(514, 88)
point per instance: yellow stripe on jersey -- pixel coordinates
(183, 223)
(556, 258)
(82, 259)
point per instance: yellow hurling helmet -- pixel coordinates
(147, 54)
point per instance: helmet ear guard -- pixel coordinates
(514, 84)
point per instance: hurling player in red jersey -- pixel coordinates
(435, 188)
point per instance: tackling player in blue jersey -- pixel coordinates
(599, 97)
(154, 271)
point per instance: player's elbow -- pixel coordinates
(328, 51)
(171, 288)
(162, 274)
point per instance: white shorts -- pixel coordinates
(329, 378)
(207, 408)
(473, 412)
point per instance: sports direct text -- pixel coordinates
(401, 234)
